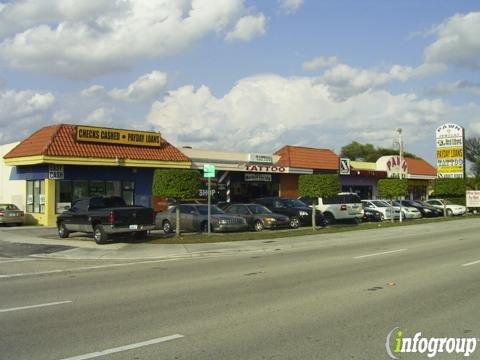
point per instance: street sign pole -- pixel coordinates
(209, 203)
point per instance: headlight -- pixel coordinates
(270, 219)
(428, 210)
(223, 222)
(303, 213)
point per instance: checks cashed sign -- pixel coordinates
(450, 151)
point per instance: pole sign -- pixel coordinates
(344, 166)
(450, 139)
(473, 198)
(208, 171)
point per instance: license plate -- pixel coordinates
(133, 227)
(11, 214)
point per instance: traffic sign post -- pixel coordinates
(209, 173)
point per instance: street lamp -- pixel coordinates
(400, 146)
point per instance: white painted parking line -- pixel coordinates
(472, 263)
(381, 253)
(35, 306)
(125, 348)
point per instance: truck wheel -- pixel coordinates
(62, 230)
(329, 218)
(99, 234)
(294, 222)
(449, 212)
(167, 227)
(258, 226)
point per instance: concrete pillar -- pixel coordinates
(50, 216)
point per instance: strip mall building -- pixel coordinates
(61, 163)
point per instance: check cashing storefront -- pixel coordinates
(62, 163)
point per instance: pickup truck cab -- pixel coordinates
(104, 216)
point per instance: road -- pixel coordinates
(336, 298)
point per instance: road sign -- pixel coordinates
(208, 171)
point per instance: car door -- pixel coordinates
(188, 214)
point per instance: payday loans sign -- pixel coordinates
(450, 139)
(118, 136)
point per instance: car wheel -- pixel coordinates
(204, 227)
(382, 217)
(294, 222)
(167, 227)
(258, 226)
(329, 218)
(449, 212)
(62, 230)
(99, 234)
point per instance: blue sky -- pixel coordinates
(243, 75)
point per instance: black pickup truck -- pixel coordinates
(104, 216)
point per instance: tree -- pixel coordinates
(449, 187)
(368, 152)
(472, 154)
(318, 185)
(178, 184)
(392, 188)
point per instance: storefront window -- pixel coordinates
(68, 191)
(35, 196)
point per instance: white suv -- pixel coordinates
(343, 206)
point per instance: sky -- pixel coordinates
(241, 75)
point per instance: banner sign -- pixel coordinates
(260, 158)
(258, 177)
(473, 198)
(118, 136)
(450, 151)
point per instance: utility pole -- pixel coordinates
(400, 145)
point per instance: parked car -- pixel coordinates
(105, 216)
(297, 211)
(371, 214)
(258, 216)
(11, 214)
(425, 210)
(408, 212)
(451, 209)
(388, 211)
(194, 217)
(343, 206)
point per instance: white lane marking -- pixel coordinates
(471, 263)
(59, 271)
(2, 261)
(125, 348)
(381, 253)
(35, 306)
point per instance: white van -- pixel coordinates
(343, 206)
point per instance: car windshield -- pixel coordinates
(214, 210)
(379, 203)
(8, 207)
(259, 209)
(293, 203)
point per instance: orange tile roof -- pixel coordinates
(60, 140)
(307, 158)
(420, 167)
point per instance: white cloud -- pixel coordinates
(458, 42)
(247, 28)
(20, 111)
(290, 6)
(94, 91)
(145, 88)
(100, 38)
(262, 113)
(101, 116)
(463, 86)
(320, 62)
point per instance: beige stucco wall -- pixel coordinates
(11, 191)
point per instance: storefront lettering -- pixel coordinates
(395, 162)
(118, 136)
(263, 168)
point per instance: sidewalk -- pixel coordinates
(86, 248)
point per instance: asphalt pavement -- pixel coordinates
(334, 296)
